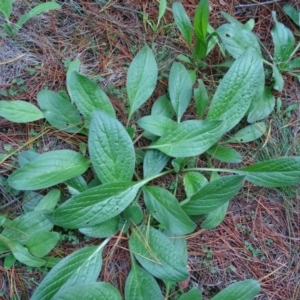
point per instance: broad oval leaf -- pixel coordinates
(180, 88)
(82, 266)
(215, 217)
(189, 138)
(292, 13)
(49, 169)
(19, 111)
(141, 79)
(164, 207)
(87, 95)
(154, 162)
(95, 205)
(237, 90)
(243, 290)
(140, 285)
(277, 172)
(111, 149)
(193, 182)
(163, 107)
(224, 154)
(59, 112)
(89, 291)
(213, 195)
(156, 253)
(183, 22)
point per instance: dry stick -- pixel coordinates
(258, 3)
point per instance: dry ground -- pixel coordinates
(260, 235)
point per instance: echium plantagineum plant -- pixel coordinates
(123, 197)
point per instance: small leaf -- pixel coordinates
(193, 182)
(183, 22)
(82, 266)
(164, 207)
(243, 290)
(277, 172)
(6, 8)
(279, 81)
(201, 98)
(224, 154)
(192, 294)
(87, 95)
(41, 243)
(157, 255)
(201, 23)
(292, 13)
(162, 9)
(141, 79)
(30, 200)
(9, 261)
(95, 205)
(76, 185)
(154, 162)
(141, 285)
(89, 291)
(156, 124)
(213, 195)
(111, 149)
(180, 88)
(249, 133)
(59, 112)
(189, 138)
(215, 217)
(49, 202)
(49, 169)
(163, 107)
(19, 111)
(133, 214)
(26, 157)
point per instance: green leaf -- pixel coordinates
(89, 291)
(180, 88)
(192, 294)
(183, 22)
(141, 285)
(95, 205)
(103, 230)
(224, 154)
(111, 149)
(30, 201)
(293, 64)
(237, 90)
(279, 81)
(40, 244)
(6, 8)
(263, 107)
(283, 40)
(213, 195)
(49, 169)
(41, 8)
(162, 9)
(201, 98)
(59, 112)
(243, 290)
(277, 172)
(26, 157)
(164, 207)
(163, 106)
(73, 66)
(215, 217)
(237, 40)
(157, 254)
(292, 13)
(193, 182)
(19, 111)
(180, 244)
(76, 185)
(201, 21)
(154, 162)
(49, 202)
(88, 96)
(249, 133)
(82, 266)
(133, 214)
(141, 79)
(9, 261)
(189, 138)
(156, 124)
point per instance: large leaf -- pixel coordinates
(215, 217)
(89, 291)
(213, 195)
(87, 95)
(140, 285)
(49, 169)
(277, 172)
(183, 22)
(189, 138)
(283, 40)
(82, 266)
(237, 40)
(237, 90)
(59, 112)
(157, 254)
(164, 207)
(19, 111)
(111, 149)
(154, 162)
(224, 154)
(141, 79)
(244, 290)
(6, 8)
(95, 205)
(180, 88)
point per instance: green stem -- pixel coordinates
(168, 288)
(294, 52)
(176, 184)
(267, 63)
